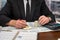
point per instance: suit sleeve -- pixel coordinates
(5, 13)
(45, 11)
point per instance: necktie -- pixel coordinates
(28, 14)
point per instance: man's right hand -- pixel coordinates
(17, 23)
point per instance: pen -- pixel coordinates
(15, 35)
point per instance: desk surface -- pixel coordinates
(49, 35)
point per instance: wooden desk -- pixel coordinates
(49, 35)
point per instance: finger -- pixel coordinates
(41, 17)
(46, 20)
(21, 25)
(23, 22)
(18, 25)
(40, 21)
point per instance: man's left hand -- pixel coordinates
(44, 20)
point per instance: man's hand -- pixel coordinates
(44, 20)
(20, 24)
(17, 23)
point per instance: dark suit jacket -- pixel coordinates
(14, 9)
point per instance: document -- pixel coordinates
(27, 36)
(8, 28)
(7, 35)
(44, 29)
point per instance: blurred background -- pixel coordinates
(53, 5)
(2, 3)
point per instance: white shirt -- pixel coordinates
(25, 2)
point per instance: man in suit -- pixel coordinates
(14, 13)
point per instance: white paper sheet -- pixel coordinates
(27, 36)
(7, 35)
